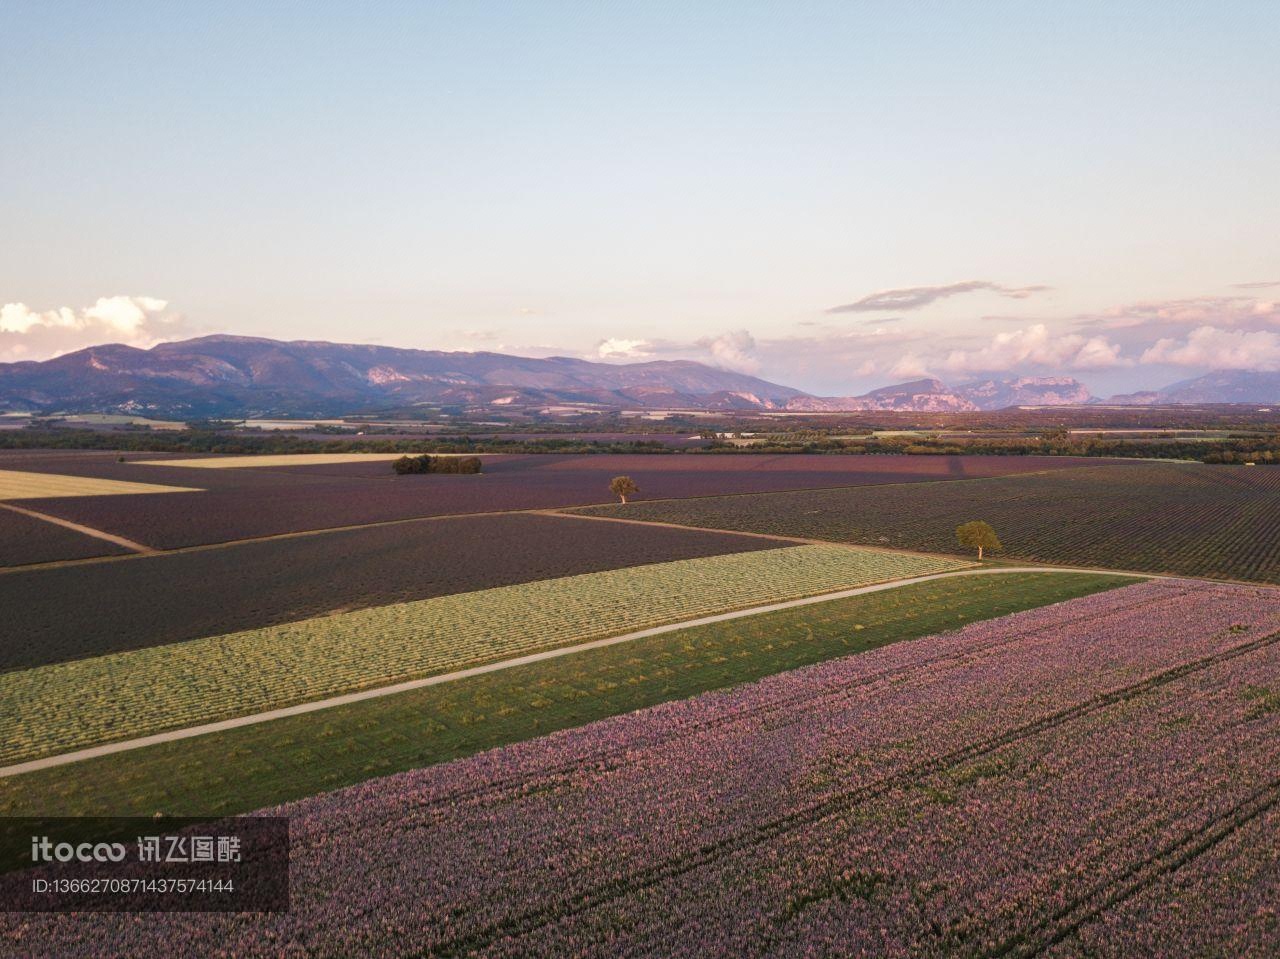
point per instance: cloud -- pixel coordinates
(140, 321)
(911, 367)
(1155, 316)
(732, 351)
(1036, 346)
(619, 349)
(1219, 349)
(915, 297)
(1256, 285)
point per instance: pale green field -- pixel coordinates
(17, 484)
(73, 705)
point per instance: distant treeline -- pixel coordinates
(409, 465)
(1260, 449)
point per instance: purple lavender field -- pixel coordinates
(1099, 777)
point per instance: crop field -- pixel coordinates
(22, 485)
(242, 503)
(277, 459)
(70, 705)
(242, 769)
(25, 539)
(267, 582)
(1094, 774)
(1192, 519)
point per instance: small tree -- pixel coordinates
(978, 535)
(622, 487)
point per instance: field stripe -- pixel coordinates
(756, 835)
(442, 517)
(84, 702)
(269, 460)
(22, 484)
(316, 705)
(86, 530)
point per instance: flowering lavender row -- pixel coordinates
(993, 789)
(1228, 896)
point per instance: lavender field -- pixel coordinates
(1097, 777)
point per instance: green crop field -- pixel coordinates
(1193, 519)
(258, 766)
(71, 705)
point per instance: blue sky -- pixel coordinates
(1074, 188)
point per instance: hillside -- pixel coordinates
(234, 375)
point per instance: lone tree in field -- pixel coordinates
(622, 487)
(978, 535)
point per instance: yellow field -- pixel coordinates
(15, 484)
(280, 459)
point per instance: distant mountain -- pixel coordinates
(237, 375)
(1220, 386)
(1028, 391)
(934, 396)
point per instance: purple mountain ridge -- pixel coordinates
(241, 376)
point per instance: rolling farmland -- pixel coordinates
(302, 755)
(240, 503)
(1019, 787)
(69, 705)
(827, 787)
(270, 582)
(1196, 520)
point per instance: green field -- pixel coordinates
(1192, 519)
(257, 766)
(72, 705)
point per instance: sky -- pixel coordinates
(836, 196)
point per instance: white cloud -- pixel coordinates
(1037, 346)
(1219, 349)
(139, 321)
(732, 351)
(1170, 315)
(909, 366)
(619, 349)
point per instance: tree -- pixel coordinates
(622, 487)
(978, 535)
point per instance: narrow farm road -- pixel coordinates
(86, 530)
(173, 735)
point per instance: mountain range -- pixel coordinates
(216, 376)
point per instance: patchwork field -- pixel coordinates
(70, 705)
(22, 485)
(276, 459)
(1197, 520)
(189, 595)
(1055, 763)
(243, 769)
(25, 539)
(241, 503)
(1069, 779)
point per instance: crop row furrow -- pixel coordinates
(833, 805)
